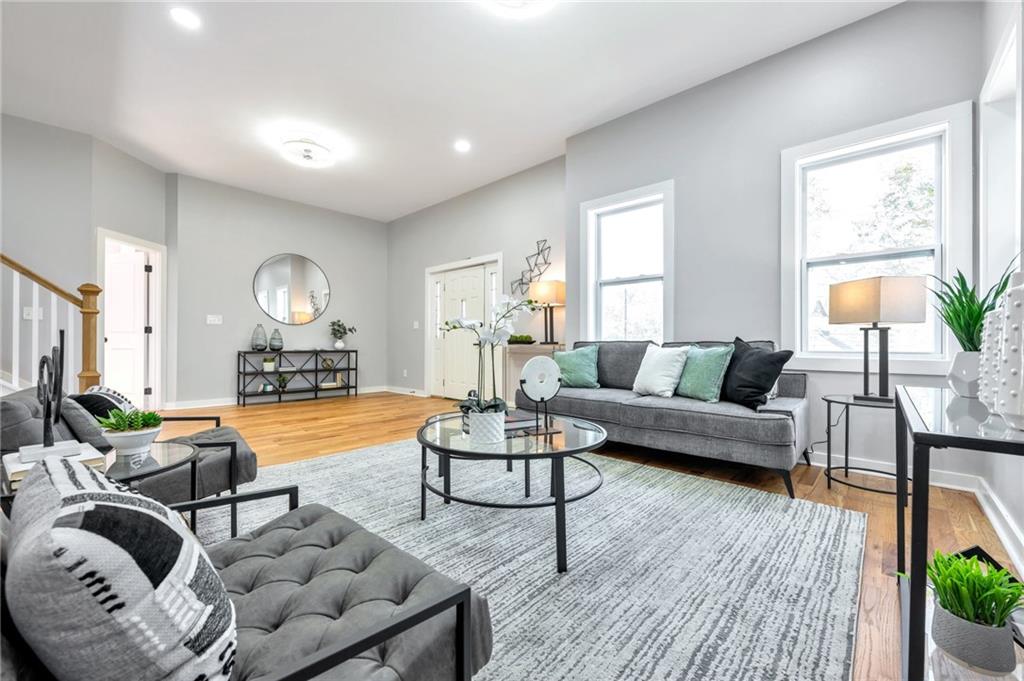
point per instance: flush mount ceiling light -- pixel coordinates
(519, 9)
(305, 144)
(462, 146)
(306, 152)
(186, 18)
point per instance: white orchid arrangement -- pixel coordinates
(489, 337)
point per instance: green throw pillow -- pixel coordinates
(704, 372)
(578, 367)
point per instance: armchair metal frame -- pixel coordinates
(331, 656)
(232, 470)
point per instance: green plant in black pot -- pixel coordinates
(282, 382)
(972, 615)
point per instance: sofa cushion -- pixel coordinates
(723, 420)
(660, 371)
(704, 372)
(105, 584)
(21, 422)
(595, 404)
(214, 465)
(760, 344)
(578, 367)
(752, 374)
(617, 361)
(312, 577)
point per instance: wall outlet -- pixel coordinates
(27, 314)
(415, 324)
(405, 373)
(214, 319)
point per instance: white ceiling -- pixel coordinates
(400, 80)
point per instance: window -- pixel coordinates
(626, 269)
(891, 200)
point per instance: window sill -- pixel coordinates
(855, 365)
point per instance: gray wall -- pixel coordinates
(127, 194)
(997, 16)
(507, 216)
(220, 235)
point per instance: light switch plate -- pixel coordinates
(415, 324)
(27, 315)
(214, 319)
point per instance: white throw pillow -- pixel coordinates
(660, 371)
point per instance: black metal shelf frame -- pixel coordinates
(305, 366)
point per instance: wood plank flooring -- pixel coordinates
(282, 433)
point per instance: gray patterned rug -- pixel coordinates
(671, 576)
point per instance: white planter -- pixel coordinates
(965, 373)
(339, 344)
(990, 359)
(132, 442)
(983, 648)
(487, 428)
(1010, 377)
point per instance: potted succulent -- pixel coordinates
(282, 382)
(486, 417)
(521, 339)
(131, 433)
(338, 332)
(964, 312)
(973, 603)
(269, 364)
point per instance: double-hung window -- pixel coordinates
(626, 267)
(890, 200)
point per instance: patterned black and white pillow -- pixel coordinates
(100, 401)
(104, 583)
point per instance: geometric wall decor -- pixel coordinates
(536, 263)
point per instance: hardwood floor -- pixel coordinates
(291, 432)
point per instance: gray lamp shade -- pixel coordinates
(877, 299)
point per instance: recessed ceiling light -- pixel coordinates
(186, 18)
(519, 9)
(307, 145)
(462, 146)
(306, 152)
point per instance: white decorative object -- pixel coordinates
(1010, 378)
(989, 359)
(541, 378)
(131, 442)
(33, 453)
(660, 371)
(339, 344)
(965, 373)
(486, 428)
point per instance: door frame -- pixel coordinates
(428, 335)
(157, 306)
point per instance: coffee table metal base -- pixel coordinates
(557, 492)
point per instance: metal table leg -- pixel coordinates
(915, 651)
(508, 465)
(446, 464)
(558, 464)
(901, 488)
(846, 447)
(423, 483)
(526, 475)
(193, 489)
(828, 443)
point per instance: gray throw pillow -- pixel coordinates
(83, 424)
(106, 585)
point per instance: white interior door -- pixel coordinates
(463, 296)
(436, 318)
(124, 320)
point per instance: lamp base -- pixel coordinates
(874, 398)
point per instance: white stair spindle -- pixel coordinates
(34, 357)
(53, 319)
(69, 349)
(16, 333)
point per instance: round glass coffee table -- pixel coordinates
(558, 439)
(161, 457)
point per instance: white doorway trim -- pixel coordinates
(428, 330)
(158, 306)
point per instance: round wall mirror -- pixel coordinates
(291, 289)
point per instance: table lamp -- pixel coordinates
(872, 301)
(549, 294)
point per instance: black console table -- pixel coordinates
(313, 374)
(934, 418)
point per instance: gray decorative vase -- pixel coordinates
(978, 646)
(276, 342)
(259, 338)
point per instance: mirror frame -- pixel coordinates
(297, 255)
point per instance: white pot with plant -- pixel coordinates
(269, 364)
(973, 603)
(486, 417)
(964, 314)
(131, 433)
(339, 330)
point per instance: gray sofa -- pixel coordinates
(21, 424)
(774, 436)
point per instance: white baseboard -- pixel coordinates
(1009, 533)
(228, 401)
(401, 390)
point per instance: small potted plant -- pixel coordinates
(521, 339)
(282, 382)
(131, 433)
(269, 364)
(338, 332)
(971, 621)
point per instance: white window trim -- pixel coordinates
(589, 212)
(956, 244)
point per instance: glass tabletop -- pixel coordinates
(564, 436)
(943, 412)
(851, 400)
(161, 456)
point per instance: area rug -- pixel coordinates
(671, 576)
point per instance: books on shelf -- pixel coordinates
(15, 469)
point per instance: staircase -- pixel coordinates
(34, 310)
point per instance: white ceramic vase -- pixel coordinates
(1010, 377)
(339, 344)
(989, 358)
(486, 428)
(965, 373)
(131, 442)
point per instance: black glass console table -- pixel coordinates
(934, 418)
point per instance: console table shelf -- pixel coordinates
(314, 371)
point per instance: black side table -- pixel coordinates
(846, 402)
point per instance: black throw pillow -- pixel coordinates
(751, 374)
(100, 401)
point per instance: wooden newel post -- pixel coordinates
(89, 376)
